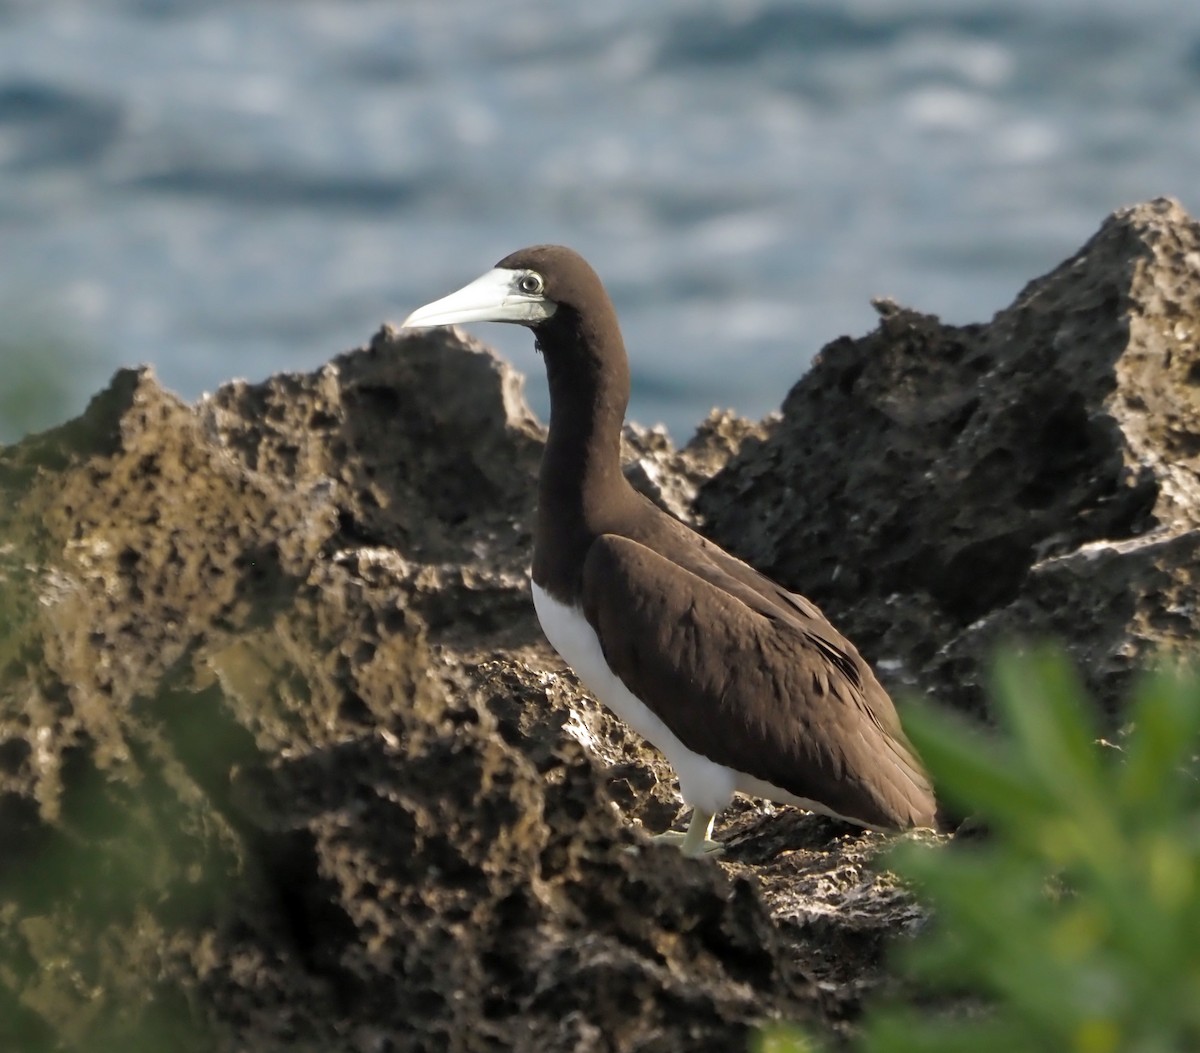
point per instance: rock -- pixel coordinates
(286, 764)
(940, 489)
(670, 477)
(282, 765)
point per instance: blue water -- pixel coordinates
(234, 187)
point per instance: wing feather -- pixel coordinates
(752, 681)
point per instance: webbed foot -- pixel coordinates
(697, 841)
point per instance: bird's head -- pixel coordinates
(530, 287)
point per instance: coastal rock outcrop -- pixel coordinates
(285, 762)
(942, 489)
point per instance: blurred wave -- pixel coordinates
(232, 188)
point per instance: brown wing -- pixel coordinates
(752, 681)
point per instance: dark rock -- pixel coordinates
(280, 762)
(671, 478)
(939, 489)
(286, 764)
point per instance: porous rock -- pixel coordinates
(941, 490)
(282, 760)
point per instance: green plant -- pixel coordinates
(782, 1038)
(41, 381)
(1073, 925)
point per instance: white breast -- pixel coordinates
(703, 783)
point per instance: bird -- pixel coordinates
(743, 685)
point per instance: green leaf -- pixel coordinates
(782, 1038)
(1160, 768)
(1039, 699)
(972, 770)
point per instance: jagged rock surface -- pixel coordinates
(282, 766)
(285, 763)
(940, 489)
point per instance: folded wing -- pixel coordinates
(754, 678)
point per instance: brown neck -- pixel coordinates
(582, 491)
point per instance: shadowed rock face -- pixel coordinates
(286, 764)
(947, 488)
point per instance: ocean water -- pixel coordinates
(235, 187)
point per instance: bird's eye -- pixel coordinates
(531, 283)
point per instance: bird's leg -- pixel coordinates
(698, 839)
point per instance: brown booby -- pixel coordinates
(743, 685)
